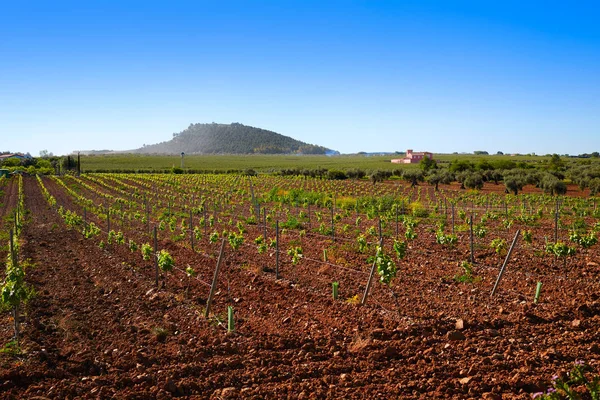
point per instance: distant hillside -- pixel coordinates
(231, 139)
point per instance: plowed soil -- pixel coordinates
(100, 328)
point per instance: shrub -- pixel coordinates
(296, 254)
(336, 175)
(499, 245)
(165, 261)
(445, 240)
(146, 251)
(467, 273)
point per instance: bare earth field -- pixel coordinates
(100, 328)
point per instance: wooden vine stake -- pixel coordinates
(277, 249)
(265, 223)
(13, 259)
(369, 282)
(155, 256)
(147, 215)
(264, 230)
(471, 227)
(505, 262)
(453, 218)
(556, 223)
(191, 230)
(396, 220)
(252, 192)
(332, 226)
(213, 286)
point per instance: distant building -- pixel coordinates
(20, 156)
(413, 157)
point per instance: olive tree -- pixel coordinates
(413, 176)
(440, 176)
(550, 184)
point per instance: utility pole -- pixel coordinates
(182, 154)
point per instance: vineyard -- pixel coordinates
(228, 286)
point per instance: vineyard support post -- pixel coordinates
(253, 199)
(213, 286)
(453, 218)
(264, 229)
(205, 220)
(396, 220)
(445, 208)
(265, 223)
(191, 230)
(13, 257)
(108, 219)
(155, 256)
(332, 225)
(366, 294)
(556, 223)
(277, 249)
(16, 316)
(380, 232)
(471, 227)
(309, 226)
(84, 217)
(13, 251)
(147, 214)
(505, 262)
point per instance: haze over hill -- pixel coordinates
(232, 138)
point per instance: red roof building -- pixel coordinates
(413, 157)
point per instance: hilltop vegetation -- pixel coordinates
(230, 139)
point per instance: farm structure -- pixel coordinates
(229, 286)
(19, 156)
(413, 157)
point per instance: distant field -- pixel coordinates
(265, 163)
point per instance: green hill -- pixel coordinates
(231, 139)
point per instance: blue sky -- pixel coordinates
(349, 75)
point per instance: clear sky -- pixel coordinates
(442, 76)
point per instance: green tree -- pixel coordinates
(550, 184)
(413, 176)
(556, 164)
(440, 176)
(458, 165)
(427, 164)
(11, 162)
(473, 180)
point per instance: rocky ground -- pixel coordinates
(100, 328)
